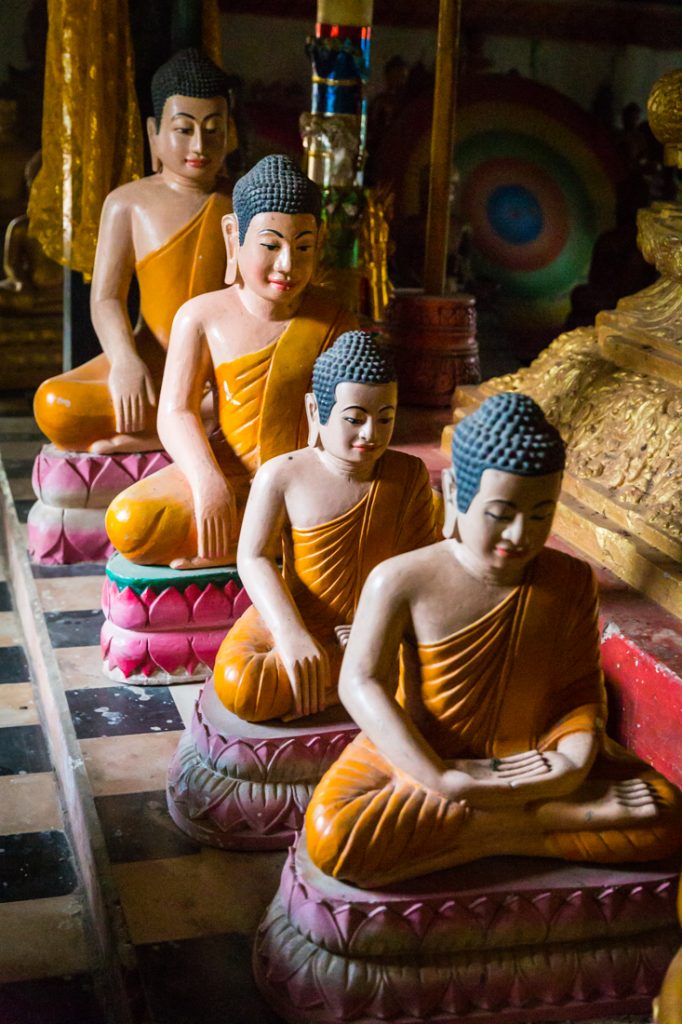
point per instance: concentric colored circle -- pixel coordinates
(514, 214)
(537, 185)
(518, 214)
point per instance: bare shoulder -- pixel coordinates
(201, 309)
(404, 574)
(280, 471)
(130, 195)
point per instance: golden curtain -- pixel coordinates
(92, 138)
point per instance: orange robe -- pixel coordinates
(523, 676)
(325, 568)
(75, 409)
(152, 522)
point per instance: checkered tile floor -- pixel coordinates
(190, 913)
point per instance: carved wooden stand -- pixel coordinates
(433, 341)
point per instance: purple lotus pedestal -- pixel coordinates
(505, 939)
(244, 786)
(164, 626)
(74, 489)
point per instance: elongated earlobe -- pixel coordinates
(151, 136)
(230, 229)
(313, 417)
(450, 505)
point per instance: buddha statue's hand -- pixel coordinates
(132, 391)
(460, 786)
(215, 510)
(307, 667)
(532, 774)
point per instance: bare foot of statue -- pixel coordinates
(598, 805)
(119, 444)
(204, 563)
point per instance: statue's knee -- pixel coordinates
(50, 407)
(323, 836)
(130, 525)
(146, 530)
(248, 684)
(121, 521)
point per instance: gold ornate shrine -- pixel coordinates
(615, 392)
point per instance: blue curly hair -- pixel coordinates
(355, 357)
(509, 432)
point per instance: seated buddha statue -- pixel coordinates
(259, 339)
(165, 229)
(494, 741)
(335, 509)
(33, 283)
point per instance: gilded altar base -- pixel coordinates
(615, 392)
(622, 497)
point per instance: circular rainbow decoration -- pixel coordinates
(537, 180)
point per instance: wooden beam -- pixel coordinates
(657, 25)
(442, 141)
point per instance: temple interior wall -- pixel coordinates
(575, 69)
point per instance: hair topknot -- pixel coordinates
(274, 185)
(508, 432)
(188, 73)
(354, 357)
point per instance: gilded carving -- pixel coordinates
(659, 229)
(665, 115)
(623, 429)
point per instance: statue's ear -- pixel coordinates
(449, 503)
(151, 136)
(313, 416)
(230, 229)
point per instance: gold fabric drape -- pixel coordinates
(92, 137)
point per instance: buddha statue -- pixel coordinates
(33, 283)
(337, 508)
(165, 229)
(494, 741)
(15, 153)
(259, 339)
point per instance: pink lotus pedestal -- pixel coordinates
(244, 786)
(74, 489)
(164, 626)
(500, 941)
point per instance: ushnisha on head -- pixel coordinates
(188, 73)
(351, 409)
(508, 432)
(355, 358)
(274, 185)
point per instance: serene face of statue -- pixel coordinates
(361, 422)
(192, 137)
(277, 257)
(508, 521)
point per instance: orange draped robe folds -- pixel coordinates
(325, 567)
(262, 414)
(520, 678)
(75, 409)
